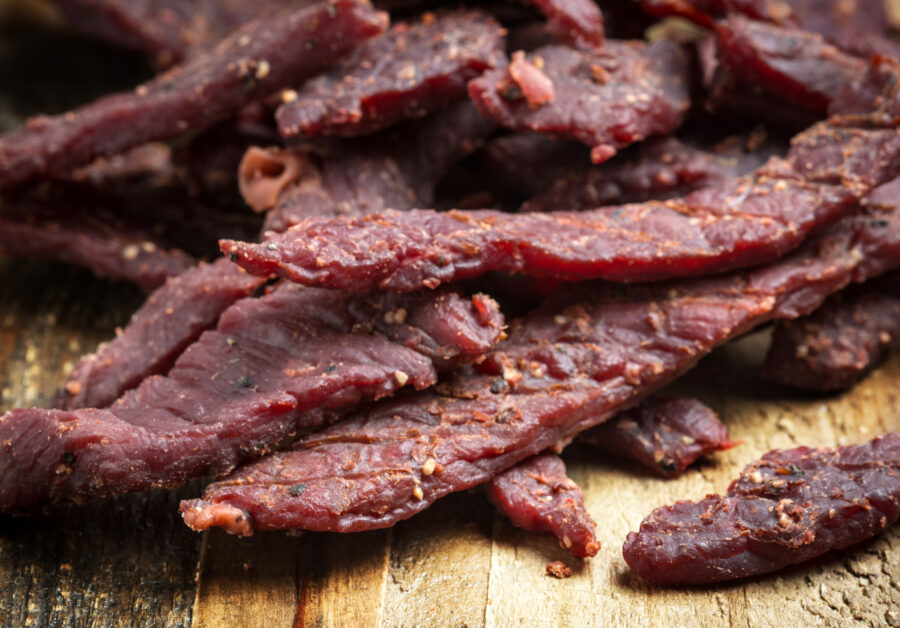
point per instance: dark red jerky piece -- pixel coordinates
(274, 365)
(397, 168)
(606, 99)
(664, 435)
(836, 345)
(167, 31)
(790, 506)
(538, 496)
(794, 65)
(578, 22)
(256, 60)
(80, 233)
(526, 164)
(859, 27)
(566, 368)
(749, 220)
(656, 169)
(408, 72)
(171, 319)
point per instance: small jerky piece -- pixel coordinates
(794, 65)
(72, 229)
(558, 569)
(657, 169)
(255, 61)
(606, 99)
(749, 220)
(577, 22)
(167, 31)
(274, 365)
(410, 71)
(832, 348)
(397, 168)
(538, 496)
(790, 506)
(665, 435)
(171, 319)
(567, 367)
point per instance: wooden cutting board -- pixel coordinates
(130, 561)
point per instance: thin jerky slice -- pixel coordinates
(167, 31)
(666, 435)
(569, 366)
(657, 169)
(538, 496)
(578, 22)
(606, 99)
(274, 365)
(408, 72)
(255, 61)
(798, 67)
(860, 27)
(75, 230)
(790, 506)
(836, 345)
(171, 319)
(749, 220)
(397, 168)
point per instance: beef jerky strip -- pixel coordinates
(606, 99)
(272, 366)
(797, 67)
(749, 220)
(657, 169)
(859, 27)
(79, 233)
(578, 22)
(171, 319)
(255, 61)
(788, 507)
(836, 345)
(666, 435)
(397, 168)
(408, 72)
(167, 31)
(569, 366)
(538, 496)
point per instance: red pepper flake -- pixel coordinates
(537, 88)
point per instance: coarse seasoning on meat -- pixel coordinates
(408, 72)
(171, 319)
(796, 66)
(273, 365)
(167, 31)
(538, 496)
(666, 435)
(748, 220)
(607, 99)
(832, 348)
(397, 169)
(258, 59)
(578, 22)
(565, 368)
(790, 506)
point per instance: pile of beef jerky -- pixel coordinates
(342, 366)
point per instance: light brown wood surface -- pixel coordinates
(130, 561)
